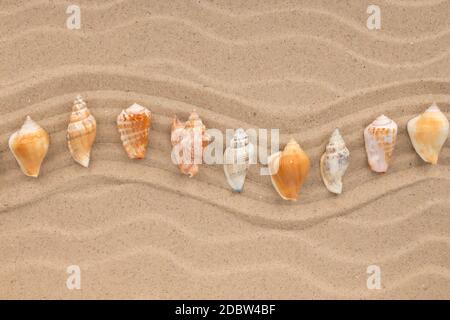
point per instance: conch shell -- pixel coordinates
(29, 146)
(81, 132)
(134, 125)
(237, 159)
(428, 133)
(188, 141)
(334, 162)
(289, 170)
(380, 138)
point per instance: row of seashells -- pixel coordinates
(427, 131)
(288, 168)
(31, 142)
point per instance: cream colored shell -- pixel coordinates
(237, 157)
(428, 133)
(334, 163)
(380, 138)
(81, 132)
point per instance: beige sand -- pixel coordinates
(139, 229)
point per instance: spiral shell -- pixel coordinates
(188, 141)
(237, 159)
(380, 138)
(334, 162)
(81, 132)
(428, 133)
(289, 170)
(134, 125)
(29, 146)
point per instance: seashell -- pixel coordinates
(81, 132)
(334, 162)
(380, 138)
(29, 146)
(237, 159)
(428, 133)
(289, 170)
(134, 125)
(188, 141)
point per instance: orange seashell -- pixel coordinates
(29, 146)
(134, 125)
(289, 170)
(188, 140)
(81, 132)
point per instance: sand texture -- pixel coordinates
(140, 229)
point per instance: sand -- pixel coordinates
(139, 229)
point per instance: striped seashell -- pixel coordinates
(380, 138)
(237, 159)
(134, 125)
(334, 162)
(188, 141)
(81, 132)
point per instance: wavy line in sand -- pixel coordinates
(207, 5)
(194, 270)
(230, 42)
(73, 71)
(354, 25)
(198, 269)
(182, 264)
(112, 227)
(415, 3)
(328, 86)
(422, 240)
(272, 235)
(345, 205)
(418, 3)
(416, 211)
(239, 84)
(39, 76)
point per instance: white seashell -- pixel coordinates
(237, 159)
(428, 133)
(334, 162)
(380, 138)
(81, 132)
(29, 146)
